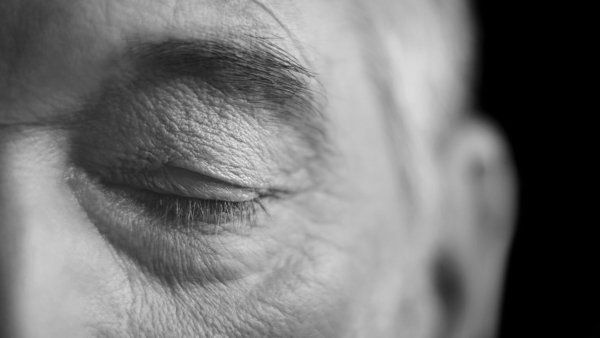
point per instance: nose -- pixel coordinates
(34, 247)
(58, 277)
(8, 249)
(35, 241)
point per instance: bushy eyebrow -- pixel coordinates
(255, 70)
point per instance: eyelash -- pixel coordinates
(182, 212)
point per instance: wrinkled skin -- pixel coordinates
(351, 251)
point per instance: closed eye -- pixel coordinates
(174, 238)
(178, 199)
(182, 212)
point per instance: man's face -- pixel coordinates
(203, 168)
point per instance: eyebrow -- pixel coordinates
(256, 70)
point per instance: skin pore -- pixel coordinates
(224, 168)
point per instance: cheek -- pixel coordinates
(307, 286)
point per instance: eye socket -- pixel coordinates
(172, 237)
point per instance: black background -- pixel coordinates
(527, 57)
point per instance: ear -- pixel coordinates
(476, 227)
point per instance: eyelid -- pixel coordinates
(171, 180)
(193, 184)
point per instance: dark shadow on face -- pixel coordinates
(449, 287)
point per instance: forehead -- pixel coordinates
(83, 24)
(58, 43)
(129, 16)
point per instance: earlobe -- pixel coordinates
(479, 209)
